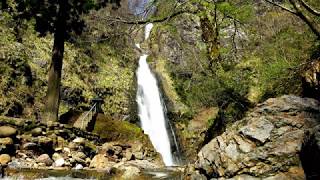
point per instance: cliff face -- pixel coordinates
(206, 61)
(175, 46)
(266, 143)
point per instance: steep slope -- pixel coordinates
(257, 52)
(100, 63)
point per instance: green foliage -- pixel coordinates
(90, 69)
(48, 14)
(113, 130)
(164, 8)
(262, 58)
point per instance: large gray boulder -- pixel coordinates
(265, 144)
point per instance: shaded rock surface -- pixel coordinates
(310, 153)
(192, 134)
(265, 144)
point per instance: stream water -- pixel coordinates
(151, 110)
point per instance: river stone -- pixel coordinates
(79, 140)
(6, 141)
(138, 155)
(130, 172)
(29, 146)
(78, 167)
(46, 141)
(117, 150)
(100, 161)
(79, 157)
(56, 156)
(73, 146)
(4, 159)
(66, 150)
(36, 131)
(45, 158)
(259, 130)
(129, 156)
(59, 162)
(7, 131)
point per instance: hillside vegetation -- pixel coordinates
(99, 63)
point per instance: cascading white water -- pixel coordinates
(151, 111)
(148, 30)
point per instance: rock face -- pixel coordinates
(176, 43)
(192, 135)
(266, 143)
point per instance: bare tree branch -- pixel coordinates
(314, 26)
(120, 20)
(234, 39)
(309, 8)
(300, 12)
(282, 7)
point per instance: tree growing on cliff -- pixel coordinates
(63, 19)
(303, 10)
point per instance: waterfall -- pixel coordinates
(151, 111)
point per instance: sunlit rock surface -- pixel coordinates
(266, 143)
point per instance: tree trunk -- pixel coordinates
(4, 5)
(54, 76)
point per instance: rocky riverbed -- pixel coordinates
(54, 147)
(276, 140)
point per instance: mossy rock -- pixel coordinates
(116, 130)
(123, 132)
